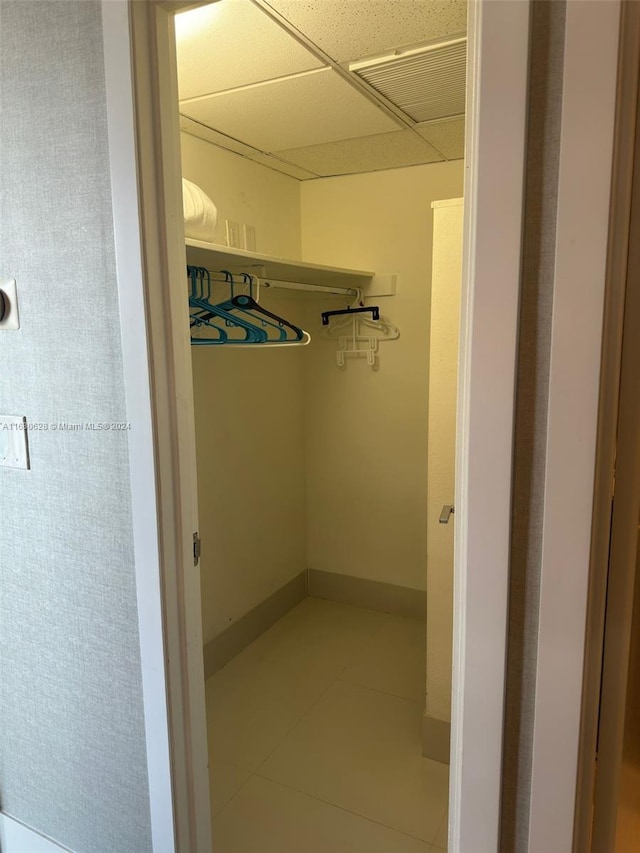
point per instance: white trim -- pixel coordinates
(447, 202)
(157, 134)
(497, 81)
(15, 837)
(589, 89)
(137, 380)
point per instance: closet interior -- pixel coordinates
(322, 154)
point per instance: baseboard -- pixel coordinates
(436, 738)
(374, 595)
(15, 837)
(248, 628)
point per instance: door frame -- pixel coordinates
(145, 162)
(498, 75)
(613, 540)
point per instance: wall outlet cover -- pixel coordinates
(14, 448)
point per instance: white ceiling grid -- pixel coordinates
(314, 107)
(232, 43)
(349, 29)
(270, 79)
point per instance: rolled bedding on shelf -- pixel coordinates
(200, 213)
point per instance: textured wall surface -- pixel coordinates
(72, 747)
(538, 268)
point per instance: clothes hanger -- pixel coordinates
(348, 320)
(248, 306)
(235, 311)
(200, 299)
(301, 338)
(375, 311)
(352, 343)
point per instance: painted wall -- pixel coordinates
(443, 386)
(365, 430)
(72, 743)
(249, 411)
(245, 191)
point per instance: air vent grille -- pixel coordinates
(427, 85)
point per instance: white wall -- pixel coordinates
(443, 383)
(249, 415)
(366, 431)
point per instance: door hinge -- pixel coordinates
(197, 548)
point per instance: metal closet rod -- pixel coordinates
(219, 277)
(311, 288)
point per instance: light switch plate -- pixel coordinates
(14, 449)
(8, 289)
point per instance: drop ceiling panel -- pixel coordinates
(446, 136)
(312, 108)
(350, 29)
(233, 43)
(366, 154)
(194, 128)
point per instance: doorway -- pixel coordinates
(315, 461)
(490, 274)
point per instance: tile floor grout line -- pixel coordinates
(302, 715)
(350, 811)
(233, 796)
(295, 725)
(370, 633)
(445, 818)
(305, 712)
(377, 690)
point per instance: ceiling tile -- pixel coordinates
(446, 136)
(366, 154)
(351, 29)
(233, 43)
(312, 108)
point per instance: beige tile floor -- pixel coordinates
(315, 739)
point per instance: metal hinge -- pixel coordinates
(197, 548)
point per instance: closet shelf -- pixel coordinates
(214, 256)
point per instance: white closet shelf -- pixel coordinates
(216, 257)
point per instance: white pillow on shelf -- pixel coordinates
(200, 213)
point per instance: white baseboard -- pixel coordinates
(15, 837)
(374, 595)
(247, 628)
